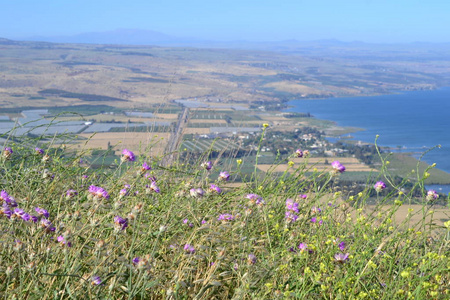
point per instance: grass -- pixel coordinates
(130, 232)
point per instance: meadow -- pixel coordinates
(136, 228)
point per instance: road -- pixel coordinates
(175, 138)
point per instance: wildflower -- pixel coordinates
(127, 156)
(42, 212)
(196, 193)
(316, 210)
(306, 153)
(341, 257)
(123, 193)
(290, 217)
(239, 162)
(38, 151)
(98, 192)
(6, 210)
(302, 247)
(153, 187)
(265, 125)
(96, 280)
(7, 199)
(189, 249)
(251, 259)
(298, 153)
(120, 223)
(71, 193)
(47, 225)
(141, 263)
(186, 221)
(291, 205)
(63, 241)
(342, 246)
(379, 186)
(7, 152)
(337, 167)
(432, 195)
(225, 217)
(145, 167)
(254, 199)
(224, 175)
(207, 165)
(214, 188)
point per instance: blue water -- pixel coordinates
(415, 121)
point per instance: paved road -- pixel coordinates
(175, 138)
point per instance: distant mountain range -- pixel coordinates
(154, 38)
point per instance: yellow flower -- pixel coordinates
(239, 161)
(265, 125)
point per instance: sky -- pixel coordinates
(376, 21)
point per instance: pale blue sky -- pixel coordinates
(257, 20)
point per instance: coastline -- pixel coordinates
(338, 129)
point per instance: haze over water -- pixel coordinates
(416, 121)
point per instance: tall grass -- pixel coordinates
(182, 232)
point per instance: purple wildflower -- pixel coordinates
(342, 246)
(72, 193)
(432, 195)
(96, 280)
(313, 220)
(123, 193)
(153, 187)
(120, 223)
(7, 152)
(207, 165)
(63, 241)
(379, 186)
(341, 257)
(7, 199)
(47, 225)
(127, 155)
(98, 192)
(189, 249)
(186, 221)
(224, 176)
(6, 210)
(136, 260)
(225, 217)
(145, 167)
(316, 210)
(251, 259)
(291, 205)
(42, 212)
(254, 199)
(337, 167)
(303, 247)
(290, 217)
(214, 188)
(298, 153)
(38, 151)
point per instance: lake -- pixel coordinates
(410, 121)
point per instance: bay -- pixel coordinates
(410, 121)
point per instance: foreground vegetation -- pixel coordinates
(144, 230)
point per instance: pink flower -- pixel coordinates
(127, 155)
(337, 167)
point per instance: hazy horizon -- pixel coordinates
(265, 20)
